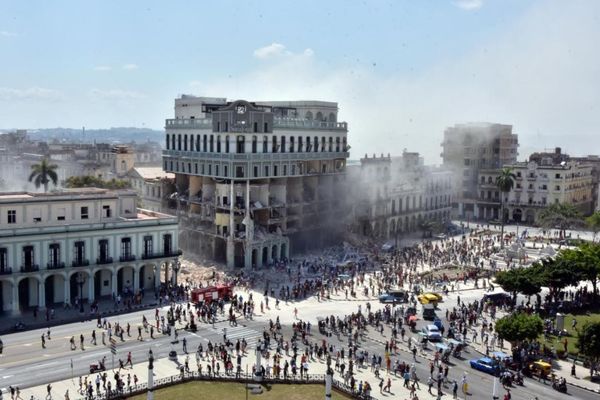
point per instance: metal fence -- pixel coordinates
(225, 377)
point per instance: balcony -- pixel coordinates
(127, 257)
(256, 157)
(30, 268)
(55, 265)
(5, 271)
(80, 263)
(278, 123)
(167, 254)
(104, 260)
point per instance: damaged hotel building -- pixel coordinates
(254, 179)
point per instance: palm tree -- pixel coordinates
(561, 216)
(43, 173)
(505, 182)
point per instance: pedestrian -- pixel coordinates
(81, 341)
(49, 389)
(43, 341)
(454, 390)
(184, 345)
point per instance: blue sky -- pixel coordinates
(400, 70)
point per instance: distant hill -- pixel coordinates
(112, 135)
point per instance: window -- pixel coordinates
(284, 170)
(255, 171)
(256, 127)
(106, 211)
(557, 176)
(3, 259)
(266, 170)
(79, 253)
(148, 246)
(557, 187)
(54, 254)
(225, 170)
(60, 214)
(265, 144)
(12, 216)
(37, 215)
(84, 212)
(126, 249)
(103, 253)
(28, 257)
(266, 127)
(275, 170)
(168, 243)
(218, 144)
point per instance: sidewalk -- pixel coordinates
(106, 307)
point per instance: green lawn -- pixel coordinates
(572, 338)
(235, 391)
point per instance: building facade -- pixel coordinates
(396, 195)
(256, 179)
(80, 243)
(537, 186)
(469, 148)
(152, 185)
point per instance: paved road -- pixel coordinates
(25, 364)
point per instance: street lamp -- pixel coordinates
(80, 280)
(150, 375)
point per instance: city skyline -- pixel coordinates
(401, 72)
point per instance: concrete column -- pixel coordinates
(136, 278)
(287, 250)
(15, 299)
(248, 258)
(91, 288)
(41, 295)
(114, 285)
(67, 291)
(259, 259)
(157, 276)
(166, 273)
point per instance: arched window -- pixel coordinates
(316, 144)
(241, 142)
(274, 146)
(322, 143)
(254, 144)
(197, 142)
(172, 142)
(330, 144)
(218, 143)
(226, 144)
(299, 144)
(331, 117)
(319, 116)
(168, 143)
(204, 146)
(191, 142)
(283, 144)
(212, 143)
(291, 144)
(179, 142)
(185, 143)
(344, 144)
(265, 144)
(308, 145)
(308, 116)
(337, 144)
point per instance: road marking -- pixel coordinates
(7, 376)
(28, 344)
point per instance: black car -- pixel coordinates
(497, 298)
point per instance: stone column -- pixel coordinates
(91, 288)
(166, 273)
(67, 291)
(136, 278)
(41, 295)
(15, 299)
(157, 276)
(113, 285)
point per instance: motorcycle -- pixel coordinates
(98, 367)
(560, 385)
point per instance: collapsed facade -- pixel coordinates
(253, 179)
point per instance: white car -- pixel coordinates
(432, 333)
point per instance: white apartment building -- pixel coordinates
(538, 185)
(80, 243)
(254, 179)
(151, 184)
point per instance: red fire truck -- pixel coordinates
(212, 293)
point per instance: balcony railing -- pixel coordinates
(80, 263)
(127, 257)
(104, 260)
(278, 123)
(5, 271)
(55, 265)
(30, 268)
(148, 256)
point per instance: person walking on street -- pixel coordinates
(43, 341)
(49, 389)
(185, 345)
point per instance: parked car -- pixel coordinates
(432, 333)
(394, 296)
(486, 364)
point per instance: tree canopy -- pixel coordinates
(584, 261)
(519, 327)
(588, 341)
(526, 281)
(593, 222)
(560, 216)
(43, 173)
(92, 181)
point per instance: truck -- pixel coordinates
(211, 293)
